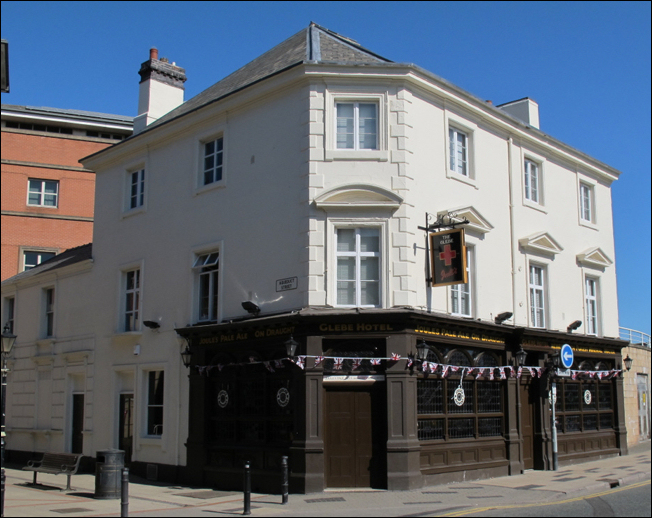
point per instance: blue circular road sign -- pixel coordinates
(566, 356)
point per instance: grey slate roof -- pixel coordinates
(71, 114)
(314, 44)
(67, 258)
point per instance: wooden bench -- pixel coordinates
(55, 463)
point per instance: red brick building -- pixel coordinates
(47, 196)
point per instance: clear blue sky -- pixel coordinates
(587, 64)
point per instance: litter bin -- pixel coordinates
(108, 473)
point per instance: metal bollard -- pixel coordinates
(2, 504)
(284, 485)
(247, 488)
(124, 499)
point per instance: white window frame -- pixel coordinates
(587, 203)
(217, 155)
(49, 297)
(131, 312)
(457, 126)
(9, 312)
(465, 292)
(39, 252)
(458, 140)
(592, 305)
(149, 405)
(356, 125)
(538, 310)
(335, 96)
(42, 194)
(206, 267)
(358, 255)
(137, 184)
(532, 181)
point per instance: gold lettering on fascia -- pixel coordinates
(436, 331)
(354, 327)
(246, 335)
(586, 350)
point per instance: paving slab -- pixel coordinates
(23, 499)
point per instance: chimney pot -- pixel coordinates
(153, 53)
(490, 102)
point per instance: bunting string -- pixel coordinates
(444, 370)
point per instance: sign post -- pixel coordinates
(566, 357)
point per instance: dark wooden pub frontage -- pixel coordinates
(354, 408)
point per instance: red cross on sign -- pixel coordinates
(448, 255)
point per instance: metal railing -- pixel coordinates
(635, 337)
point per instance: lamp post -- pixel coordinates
(628, 363)
(422, 350)
(8, 341)
(291, 346)
(519, 361)
(186, 356)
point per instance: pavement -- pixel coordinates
(147, 498)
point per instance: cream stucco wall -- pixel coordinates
(268, 223)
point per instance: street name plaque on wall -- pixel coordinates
(290, 283)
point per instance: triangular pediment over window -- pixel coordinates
(359, 196)
(542, 243)
(594, 257)
(476, 220)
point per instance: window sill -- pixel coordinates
(210, 187)
(461, 178)
(533, 205)
(588, 224)
(133, 212)
(351, 154)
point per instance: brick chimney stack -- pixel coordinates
(160, 91)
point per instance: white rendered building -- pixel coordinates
(298, 184)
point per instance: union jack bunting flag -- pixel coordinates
(396, 357)
(480, 372)
(356, 364)
(300, 361)
(252, 359)
(574, 374)
(519, 372)
(409, 362)
(220, 367)
(491, 373)
(337, 363)
(201, 369)
(444, 370)
(318, 360)
(278, 364)
(454, 368)
(533, 372)
(375, 361)
(501, 373)
(433, 367)
(269, 367)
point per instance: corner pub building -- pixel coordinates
(285, 205)
(345, 419)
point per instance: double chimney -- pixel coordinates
(160, 91)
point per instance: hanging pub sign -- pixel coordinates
(448, 257)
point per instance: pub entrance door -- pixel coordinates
(355, 436)
(527, 422)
